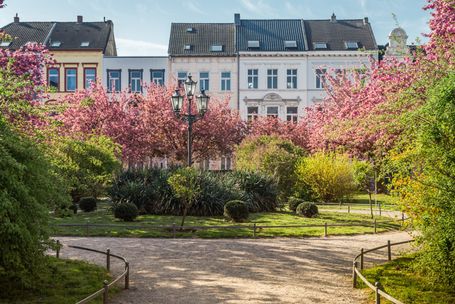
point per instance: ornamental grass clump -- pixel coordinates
(293, 202)
(236, 211)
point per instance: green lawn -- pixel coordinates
(360, 201)
(64, 281)
(104, 216)
(399, 280)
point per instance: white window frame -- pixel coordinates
(112, 80)
(253, 78)
(157, 80)
(135, 83)
(225, 81)
(204, 81)
(320, 78)
(252, 116)
(272, 76)
(181, 79)
(273, 115)
(291, 79)
(292, 117)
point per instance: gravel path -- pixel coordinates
(277, 270)
(387, 213)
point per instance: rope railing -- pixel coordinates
(356, 273)
(104, 292)
(255, 228)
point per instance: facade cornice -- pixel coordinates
(309, 54)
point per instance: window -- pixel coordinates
(216, 48)
(291, 79)
(53, 77)
(320, 45)
(291, 44)
(320, 78)
(351, 45)
(272, 79)
(70, 79)
(190, 29)
(187, 47)
(205, 164)
(291, 114)
(181, 77)
(135, 80)
(89, 77)
(56, 44)
(252, 113)
(253, 79)
(272, 112)
(225, 163)
(85, 43)
(254, 44)
(225, 81)
(157, 77)
(113, 80)
(204, 81)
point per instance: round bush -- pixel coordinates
(236, 210)
(87, 204)
(307, 209)
(73, 208)
(293, 202)
(126, 211)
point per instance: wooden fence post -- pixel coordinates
(361, 259)
(402, 218)
(349, 208)
(380, 213)
(375, 226)
(389, 251)
(354, 274)
(108, 259)
(376, 293)
(325, 229)
(254, 230)
(86, 228)
(173, 230)
(127, 275)
(57, 254)
(106, 292)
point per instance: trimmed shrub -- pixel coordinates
(307, 209)
(294, 202)
(236, 210)
(87, 204)
(73, 208)
(126, 211)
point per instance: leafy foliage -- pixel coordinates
(272, 156)
(28, 188)
(329, 176)
(126, 211)
(307, 209)
(236, 210)
(87, 204)
(294, 202)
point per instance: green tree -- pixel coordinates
(363, 177)
(88, 165)
(272, 156)
(328, 176)
(29, 187)
(185, 184)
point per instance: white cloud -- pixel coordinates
(258, 7)
(194, 8)
(130, 47)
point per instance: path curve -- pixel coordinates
(275, 270)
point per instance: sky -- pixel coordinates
(142, 27)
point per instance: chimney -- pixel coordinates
(333, 18)
(80, 19)
(16, 19)
(237, 19)
(365, 20)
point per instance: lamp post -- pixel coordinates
(202, 101)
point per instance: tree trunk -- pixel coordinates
(371, 203)
(185, 211)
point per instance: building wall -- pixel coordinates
(125, 63)
(306, 63)
(78, 60)
(215, 66)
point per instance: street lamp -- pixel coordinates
(201, 104)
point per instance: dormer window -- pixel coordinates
(5, 43)
(290, 44)
(187, 47)
(352, 45)
(56, 44)
(320, 45)
(253, 44)
(216, 48)
(85, 44)
(190, 30)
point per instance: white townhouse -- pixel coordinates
(207, 52)
(130, 72)
(282, 62)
